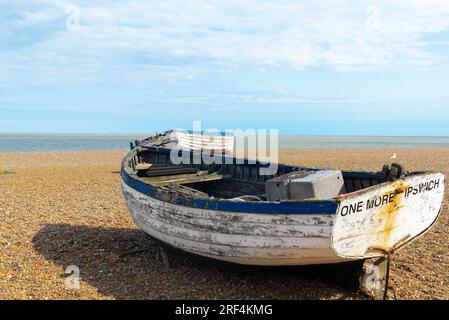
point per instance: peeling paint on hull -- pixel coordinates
(376, 217)
(249, 239)
(379, 220)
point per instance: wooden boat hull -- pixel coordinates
(286, 239)
(249, 239)
(377, 214)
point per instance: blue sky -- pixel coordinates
(303, 67)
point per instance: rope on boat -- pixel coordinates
(246, 198)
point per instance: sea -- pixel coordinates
(110, 142)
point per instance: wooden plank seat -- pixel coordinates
(200, 176)
(156, 170)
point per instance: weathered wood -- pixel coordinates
(246, 239)
(132, 252)
(375, 221)
(183, 179)
(159, 172)
(142, 166)
(184, 190)
(164, 257)
(192, 218)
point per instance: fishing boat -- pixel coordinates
(228, 211)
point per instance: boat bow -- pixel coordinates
(381, 219)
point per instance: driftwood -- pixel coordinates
(132, 252)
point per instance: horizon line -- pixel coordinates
(150, 134)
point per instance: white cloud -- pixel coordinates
(142, 40)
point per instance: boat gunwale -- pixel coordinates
(326, 207)
(286, 207)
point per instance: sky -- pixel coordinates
(302, 67)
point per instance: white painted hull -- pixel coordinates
(242, 238)
(376, 218)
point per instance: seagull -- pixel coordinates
(393, 156)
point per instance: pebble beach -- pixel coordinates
(61, 209)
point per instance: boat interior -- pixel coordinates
(236, 179)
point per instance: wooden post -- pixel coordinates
(164, 257)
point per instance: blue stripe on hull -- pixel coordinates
(297, 207)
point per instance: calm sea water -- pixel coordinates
(50, 142)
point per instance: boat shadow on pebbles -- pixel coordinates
(127, 264)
